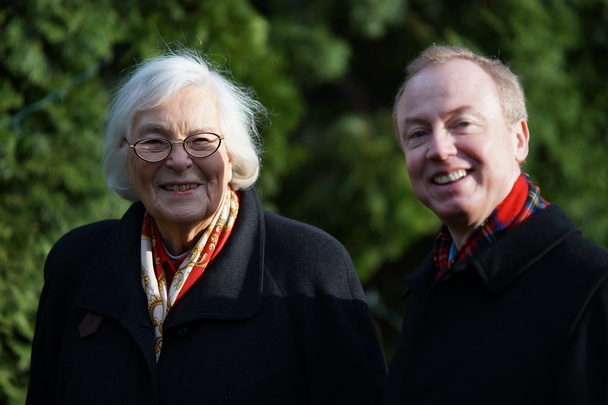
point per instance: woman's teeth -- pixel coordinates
(181, 187)
(450, 177)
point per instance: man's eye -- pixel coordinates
(417, 134)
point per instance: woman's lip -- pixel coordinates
(180, 187)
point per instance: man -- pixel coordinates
(511, 307)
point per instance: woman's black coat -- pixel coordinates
(525, 321)
(279, 317)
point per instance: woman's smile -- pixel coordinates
(182, 193)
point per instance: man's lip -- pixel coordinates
(449, 176)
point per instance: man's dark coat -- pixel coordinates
(525, 321)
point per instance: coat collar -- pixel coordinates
(498, 264)
(230, 289)
(521, 247)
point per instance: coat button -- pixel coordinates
(182, 332)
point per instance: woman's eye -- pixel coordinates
(154, 142)
(200, 140)
(202, 143)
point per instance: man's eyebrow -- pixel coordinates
(414, 120)
(455, 111)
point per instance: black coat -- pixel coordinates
(524, 322)
(279, 317)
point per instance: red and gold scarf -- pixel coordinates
(523, 201)
(156, 264)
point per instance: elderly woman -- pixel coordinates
(198, 295)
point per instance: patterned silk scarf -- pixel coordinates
(523, 201)
(153, 256)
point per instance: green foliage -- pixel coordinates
(328, 72)
(354, 163)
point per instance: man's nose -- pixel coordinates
(442, 145)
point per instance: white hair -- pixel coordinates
(155, 80)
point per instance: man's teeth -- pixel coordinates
(181, 187)
(450, 177)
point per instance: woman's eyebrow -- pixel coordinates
(155, 128)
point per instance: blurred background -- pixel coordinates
(328, 71)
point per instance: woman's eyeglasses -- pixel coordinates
(155, 150)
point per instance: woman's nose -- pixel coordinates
(178, 159)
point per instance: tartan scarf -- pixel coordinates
(523, 201)
(156, 264)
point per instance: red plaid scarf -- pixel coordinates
(523, 201)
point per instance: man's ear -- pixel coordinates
(522, 137)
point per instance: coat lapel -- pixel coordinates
(113, 286)
(542, 232)
(230, 289)
(506, 258)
